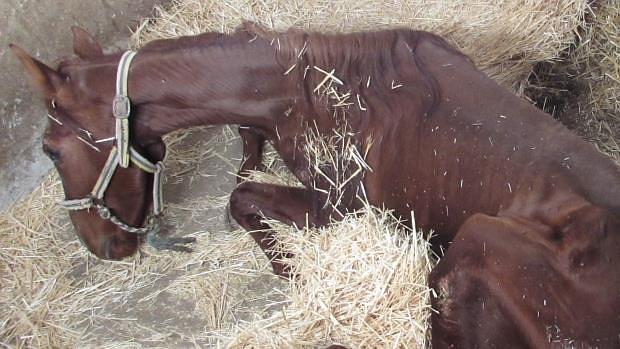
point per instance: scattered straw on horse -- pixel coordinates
(54, 294)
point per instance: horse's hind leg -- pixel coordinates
(251, 202)
(253, 144)
(512, 282)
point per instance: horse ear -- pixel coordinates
(42, 77)
(84, 45)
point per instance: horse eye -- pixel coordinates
(52, 154)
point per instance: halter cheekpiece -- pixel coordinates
(122, 154)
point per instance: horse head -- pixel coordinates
(109, 203)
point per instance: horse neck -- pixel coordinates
(230, 82)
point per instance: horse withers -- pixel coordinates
(527, 212)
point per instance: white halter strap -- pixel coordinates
(121, 107)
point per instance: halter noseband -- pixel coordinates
(121, 155)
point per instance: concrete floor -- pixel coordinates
(42, 27)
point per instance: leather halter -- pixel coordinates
(122, 155)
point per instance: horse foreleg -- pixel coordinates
(253, 144)
(252, 202)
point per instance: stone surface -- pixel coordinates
(43, 28)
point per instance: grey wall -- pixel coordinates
(42, 27)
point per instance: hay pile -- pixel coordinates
(54, 294)
(582, 89)
(597, 60)
(360, 283)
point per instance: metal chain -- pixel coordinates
(152, 224)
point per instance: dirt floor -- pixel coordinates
(42, 27)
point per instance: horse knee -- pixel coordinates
(248, 202)
(240, 201)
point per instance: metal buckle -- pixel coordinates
(121, 106)
(104, 212)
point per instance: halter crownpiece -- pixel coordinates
(121, 107)
(122, 155)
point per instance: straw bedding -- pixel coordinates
(582, 87)
(597, 63)
(361, 282)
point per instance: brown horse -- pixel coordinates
(528, 212)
